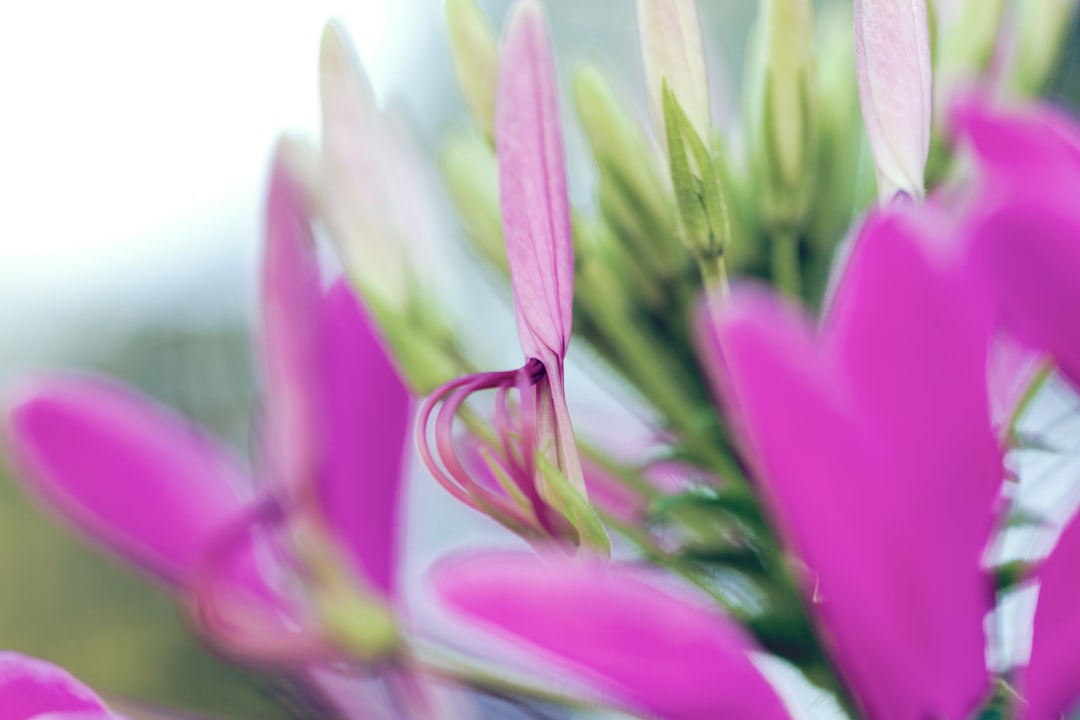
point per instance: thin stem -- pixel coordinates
(785, 263)
(714, 274)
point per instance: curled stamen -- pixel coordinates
(510, 457)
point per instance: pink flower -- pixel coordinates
(871, 435)
(150, 486)
(31, 688)
(536, 220)
(1023, 229)
(872, 441)
(649, 649)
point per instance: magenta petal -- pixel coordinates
(912, 332)
(911, 326)
(31, 688)
(291, 296)
(1025, 223)
(1050, 685)
(532, 183)
(654, 650)
(1011, 371)
(367, 423)
(873, 443)
(126, 470)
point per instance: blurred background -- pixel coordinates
(135, 140)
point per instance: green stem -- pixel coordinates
(785, 263)
(714, 274)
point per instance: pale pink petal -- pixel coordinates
(290, 305)
(1050, 685)
(31, 688)
(653, 650)
(367, 423)
(874, 446)
(532, 183)
(892, 56)
(124, 469)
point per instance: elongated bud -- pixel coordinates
(672, 55)
(782, 107)
(476, 59)
(632, 194)
(1041, 29)
(471, 173)
(699, 196)
(892, 46)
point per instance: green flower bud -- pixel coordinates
(471, 173)
(782, 125)
(1041, 29)
(476, 59)
(633, 196)
(699, 195)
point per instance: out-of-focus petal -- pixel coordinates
(860, 436)
(1025, 223)
(532, 184)
(367, 423)
(125, 470)
(31, 688)
(1050, 685)
(355, 197)
(290, 305)
(601, 623)
(892, 54)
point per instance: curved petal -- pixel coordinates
(602, 623)
(367, 423)
(124, 469)
(1050, 685)
(874, 445)
(532, 186)
(31, 688)
(291, 294)
(1025, 223)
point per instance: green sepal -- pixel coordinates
(573, 506)
(699, 197)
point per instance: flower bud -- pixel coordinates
(781, 126)
(471, 174)
(1041, 29)
(892, 55)
(699, 195)
(632, 193)
(672, 55)
(476, 59)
